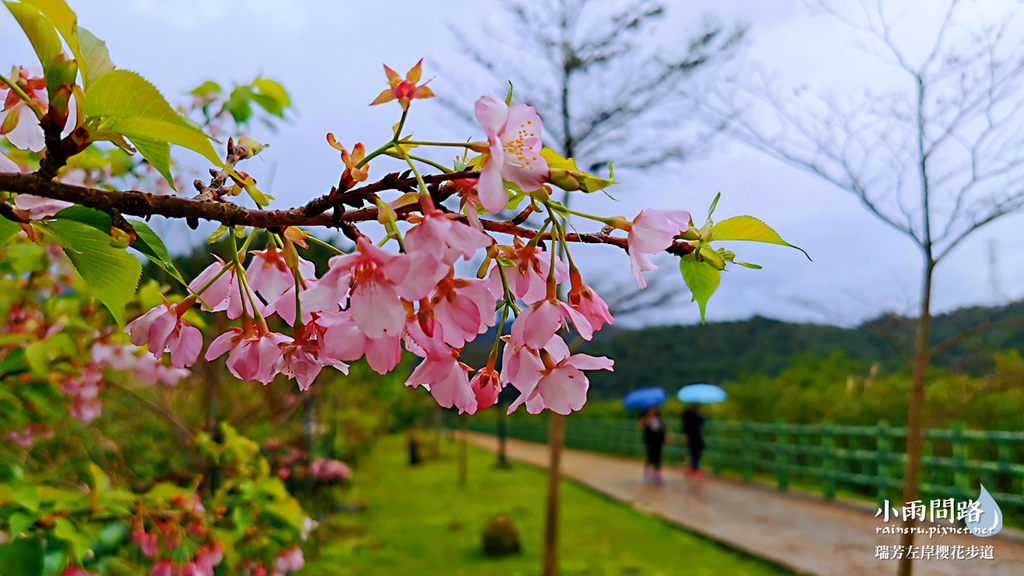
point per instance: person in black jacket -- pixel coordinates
(693, 437)
(655, 435)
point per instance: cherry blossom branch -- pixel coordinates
(137, 203)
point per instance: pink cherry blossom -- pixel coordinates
(651, 232)
(147, 542)
(30, 435)
(150, 370)
(464, 307)
(448, 382)
(590, 305)
(85, 410)
(486, 386)
(163, 568)
(302, 359)
(379, 281)
(86, 386)
(513, 137)
(251, 356)
(206, 558)
(562, 385)
(269, 275)
(162, 329)
(17, 120)
(284, 305)
(438, 235)
(528, 277)
(522, 368)
(224, 293)
(344, 341)
(538, 323)
(290, 560)
(113, 356)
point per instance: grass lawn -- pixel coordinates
(419, 521)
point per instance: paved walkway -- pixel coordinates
(804, 535)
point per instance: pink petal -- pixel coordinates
(564, 389)
(221, 344)
(383, 354)
(377, 309)
(188, 343)
(587, 362)
(491, 186)
(491, 113)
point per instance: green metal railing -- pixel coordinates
(865, 461)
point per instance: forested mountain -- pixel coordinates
(670, 356)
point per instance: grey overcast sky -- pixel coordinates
(328, 54)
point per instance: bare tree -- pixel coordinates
(936, 159)
(604, 90)
(602, 87)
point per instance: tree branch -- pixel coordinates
(974, 331)
(144, 204)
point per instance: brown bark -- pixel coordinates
(144, 204)
(915, 437)
(556, 437)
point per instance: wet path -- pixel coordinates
(805, 535)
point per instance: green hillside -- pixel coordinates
(670, 356)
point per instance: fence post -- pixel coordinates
(961, 481)
(882, 457)
(781, 456)
(828, 462)
(747, 450)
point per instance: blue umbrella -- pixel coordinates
(701, 394)
(644, 398)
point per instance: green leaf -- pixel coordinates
(65, 21)
(158, 154)
(182, 135)
(20, 522)
(268, 89)
(111, 273)
(701, 279)
(95, 56)
(7, 231)
(23, 557)
(122, 93)
(238, 104)
(38, 30)
(28, 497)
(749, 229)
(149, 244)
(208, 87)
(100, 482)
(65, 530)
(38, 357)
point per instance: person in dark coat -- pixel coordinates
(693, 437)
(655, 435)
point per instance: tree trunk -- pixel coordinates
(915, 439)
(502, 437)
(463, 451)
(556, 436)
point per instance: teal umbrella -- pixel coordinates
(701, 394)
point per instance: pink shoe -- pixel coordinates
(698, 475)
